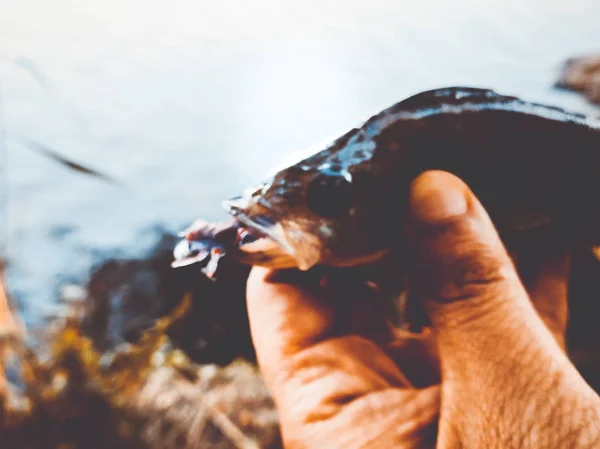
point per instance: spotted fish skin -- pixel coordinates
(532, 166)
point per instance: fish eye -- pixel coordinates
(329, 194)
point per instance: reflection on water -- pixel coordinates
(187, 102)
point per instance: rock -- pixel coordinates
(582, 75)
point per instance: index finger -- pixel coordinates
(290, 311)
(285, 317)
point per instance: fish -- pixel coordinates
(534, 167)
(206, 243)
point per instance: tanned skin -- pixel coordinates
(8, 324)
(491, 372)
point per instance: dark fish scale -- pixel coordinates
(452, 95)
(532, 166)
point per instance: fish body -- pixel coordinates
(532, 166)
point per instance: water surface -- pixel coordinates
(185, 102)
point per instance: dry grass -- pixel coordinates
(147, 395)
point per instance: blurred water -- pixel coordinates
(188, 101)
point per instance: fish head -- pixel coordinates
(327, 209)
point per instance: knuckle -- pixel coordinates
(473, 272)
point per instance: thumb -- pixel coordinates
(479, 309)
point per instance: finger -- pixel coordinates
(284, 317)
(479, 308)
(8, 326)
(8, 323)
(311, 307)
(294, 332)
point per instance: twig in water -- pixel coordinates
(52, 154)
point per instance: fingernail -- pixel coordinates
(437, 198)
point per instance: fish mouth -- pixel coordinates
(261, 239)
(190, 253)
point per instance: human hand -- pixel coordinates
(342, 377)
(8, 323)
